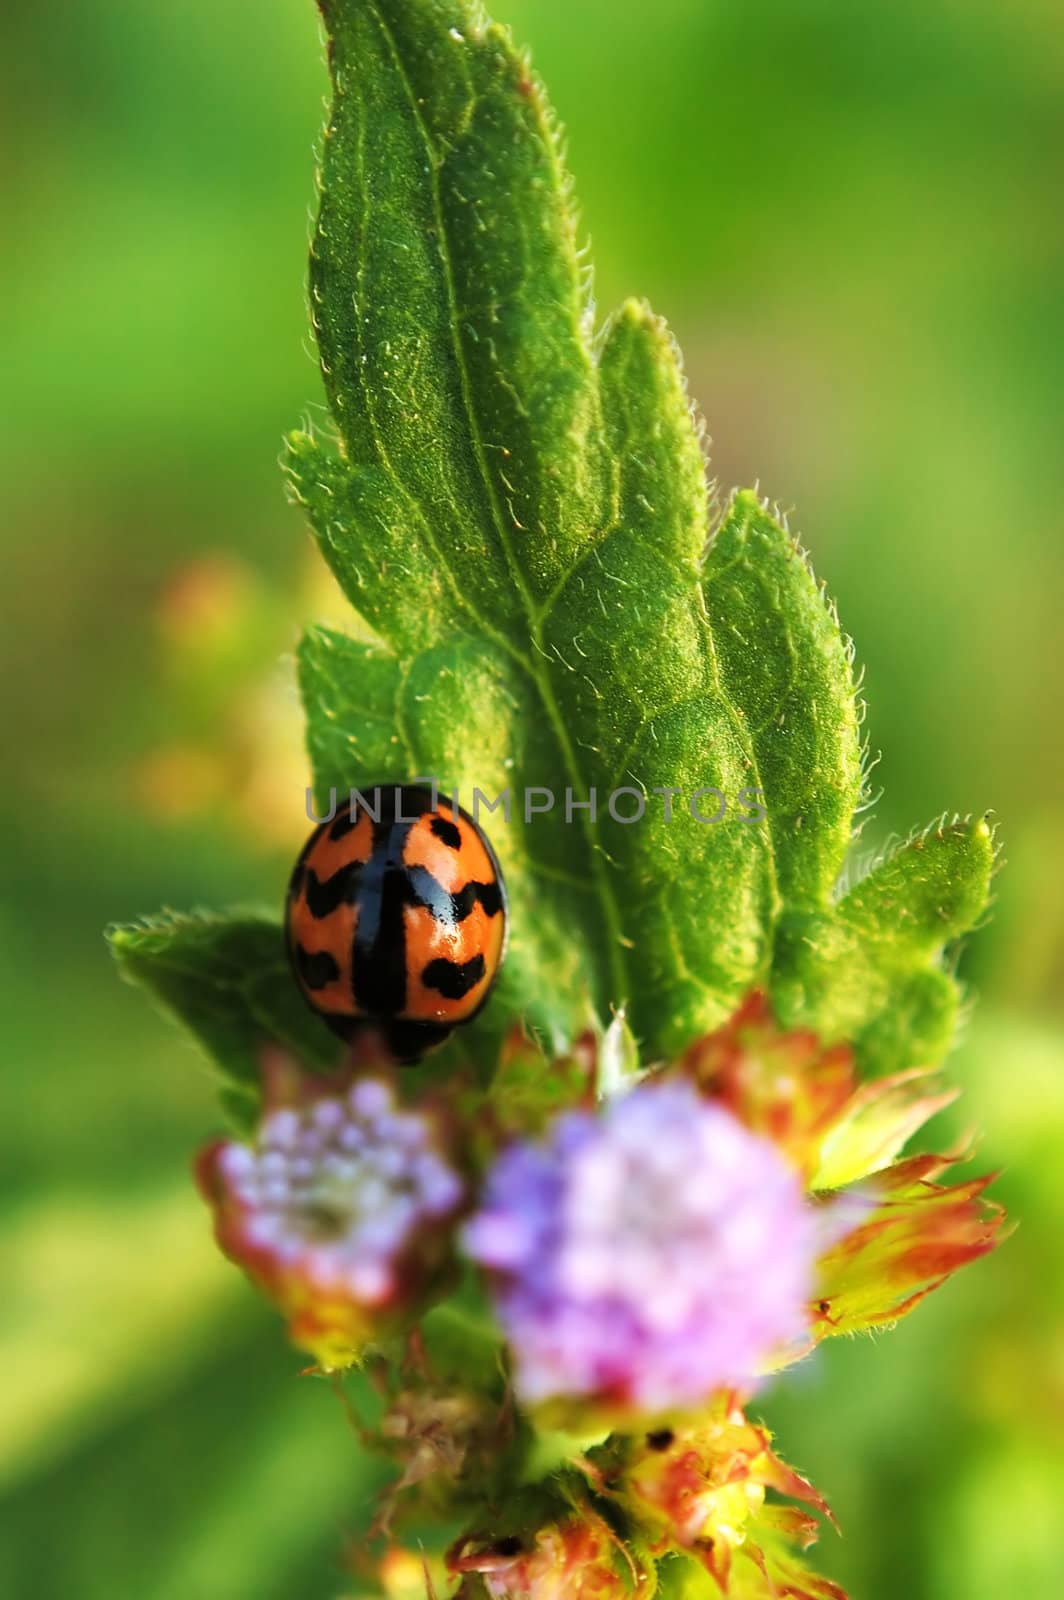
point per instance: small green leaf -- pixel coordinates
(227, 980)
(875, 970)
(355, 688)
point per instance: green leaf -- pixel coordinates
(520, 514)
(521, 518)
(876, 970)
(227, 980)
(516, 507)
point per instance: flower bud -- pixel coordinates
(576, 1558)
(444, 1437)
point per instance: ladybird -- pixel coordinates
(396, 918)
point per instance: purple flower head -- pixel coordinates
(648, 1255)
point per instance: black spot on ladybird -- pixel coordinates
(445, 830)
(453, 979)
(317, 968)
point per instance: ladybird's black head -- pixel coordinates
(405, 1042)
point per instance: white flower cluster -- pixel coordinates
(336, 1191)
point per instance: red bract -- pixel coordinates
(786, 1086)
(911, 1234)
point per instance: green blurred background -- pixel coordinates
(852, 217)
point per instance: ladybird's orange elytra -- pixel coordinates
(396, 918)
